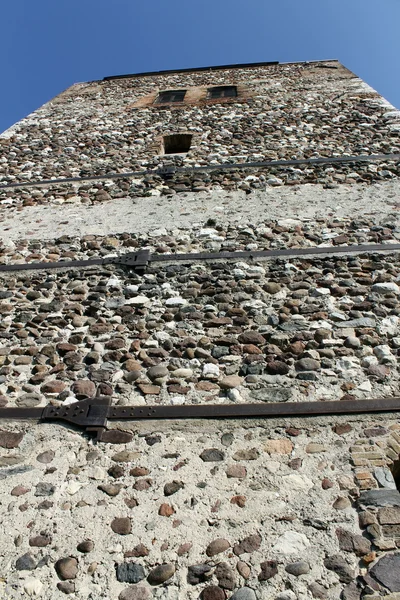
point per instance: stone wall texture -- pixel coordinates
(263, 509)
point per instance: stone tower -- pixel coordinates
(240, 159)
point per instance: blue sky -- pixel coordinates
(47, 45)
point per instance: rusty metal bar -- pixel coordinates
(94, 413)
(223, 67)
(68, 264)
(280, 253)
(197, 69)
(15, 412)
(135, 260)
(139, 260)
(273, 409)
(171, 170)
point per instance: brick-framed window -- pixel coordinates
(222, 91)
(170, 96)
(191, 96)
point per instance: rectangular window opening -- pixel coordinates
(222, 91)
(170, 96)
(178, 143)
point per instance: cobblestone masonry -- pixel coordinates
(246, 510)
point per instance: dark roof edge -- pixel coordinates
(215, 68)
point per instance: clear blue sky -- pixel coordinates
(46, 45)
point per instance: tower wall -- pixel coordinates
(284, 508)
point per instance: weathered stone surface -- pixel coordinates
(19, 490)
(173, 487)
(327, 483)
(40, 541)
(307, 364)
(130, 572)
(243, 569)
(381, 497)
(272, 287)
(139, 472)
(217, 546)
(26, 562)
(230, 382)
(244, 593)
(378, 371)
(287, 595)
(46, 457)
(271, 394)
(239, 500)
(66, 568)
(315, 448)
(269, 569)
(157, 372)
(246, 454)
(282, 446)
(384, 288)
(110, 489)
(341, 503)
(176, 331)
(227, 439)
(291, 542)
(251, 337)
(351, 542)
(351, 592)
(10, 439)
(298, 568)
(161, 574)
(116, 471)
(198, 573)
(166, 510)
(33, 587)
(148, 389)
(125, 456)
(213, 592)
(66, 587)
(277, 367)
(142, 484)
(53, 387)
(248, 544)
(8, 461)
(132, 365)
(238, 471)
(226, 576)
(184, 548)
(121, 525)
(317, 590)
(212, 455)
(338, 565)
(135, 593)
(29, 400)
(152, 439)
(86, 546)
(116, 436)
(387, 571)
(84, 388)
(385, 478)
(354, 323)
(139, 550)
(389, 516)
(44, 489)
(342, 428)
